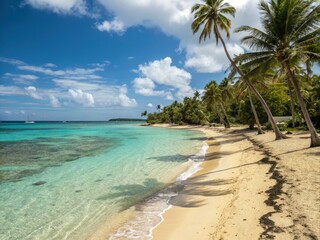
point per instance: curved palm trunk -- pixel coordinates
(260, 131)
(205, 116)
(293, 112)
(225, 116)
(278, 133)
(221, 118)
(315, 139)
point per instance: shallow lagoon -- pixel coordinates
(62, 180)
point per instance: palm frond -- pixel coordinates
(209, 16)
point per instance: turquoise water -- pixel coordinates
(63, 180)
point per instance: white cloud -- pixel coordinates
(81, 85)
(70, 83)
(54, 101)
(145, 87)
(61, 6)
(50, 65)
(83, 77)
(161, 72)
(100, 65)
(67, 72)
(111, 26)
(21, 78)
(100, 95)
(46, 69)
(150, 105)
(9, 112)
(125, 101)
(28, 76)
(208, 58)
(166, 14)
(83, 98)
(11, 61)
(32, 92)
(11, 90)
(174, 18)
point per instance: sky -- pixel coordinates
(99, 59)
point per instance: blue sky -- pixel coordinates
(100, 59)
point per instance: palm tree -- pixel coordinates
(144, 113)
(198, 106)
(159, 107)
(226, 94)
(243, 91)
(292, 107)
(211, 15)
(290, 36)
(280, 76)
(213, 99)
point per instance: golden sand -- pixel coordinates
(246, 181)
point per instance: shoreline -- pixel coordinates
(251, 193)
(212, 189)
(159, 200)
(247, 188)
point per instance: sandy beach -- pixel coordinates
(250, 187)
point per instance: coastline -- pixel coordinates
(249, 187)
(140, 219)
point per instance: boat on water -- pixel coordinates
(29, 122)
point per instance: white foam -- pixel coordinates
(151, 213)
(162, 219)
(196, 161)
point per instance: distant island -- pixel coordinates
(127, 120)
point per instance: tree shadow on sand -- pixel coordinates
(179, 194)
(129, 195)
(226, 140)
(197, 186)
(197, 138)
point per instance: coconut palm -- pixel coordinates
(226, 94)
(159, 107)
(213, 99)
(280, 77)
(144, 113)
(212, 16)
(290, 36)
(292, 107)
(242, 91)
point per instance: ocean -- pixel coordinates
(72, 180)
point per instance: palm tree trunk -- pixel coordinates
(278, 133)
(251, 124)
(221, 118)
(293, 112)
(225, 116)
(205, 116)
(260, 131)
(315, 139)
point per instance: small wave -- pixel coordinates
(196, 161)
(150, 214)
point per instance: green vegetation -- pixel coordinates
(274, 78)
(126, 120)
(290, 37)
(205, 109)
